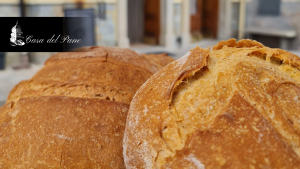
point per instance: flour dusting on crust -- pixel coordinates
(183, 59)
(191, 158)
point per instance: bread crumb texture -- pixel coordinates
(72, 113)
(236, 106)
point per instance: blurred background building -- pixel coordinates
(157, 26)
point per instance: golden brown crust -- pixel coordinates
(237, 108)
(131, 57)
(106, 54)
(88, 78)
(141, 141)
(88, 52)
(159, 60)
(245, 43)
(15, 93)
(62, 132)
(284, 56)
(72, 113)
(232, 142)
(104, 72)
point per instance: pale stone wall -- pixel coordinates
(288, 19)
(9, 10)
(106, 28)
(177, 21)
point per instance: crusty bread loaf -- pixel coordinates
(158, 61)
(72, 113)
(237, 106)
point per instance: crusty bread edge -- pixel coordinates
(192, 62)
(284, 56)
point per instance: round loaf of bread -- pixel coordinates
(237, 106)
(72, 113)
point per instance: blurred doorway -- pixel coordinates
(144, 21)
(136, 21)
(204, 19)
(196, 18)
(152, 21)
